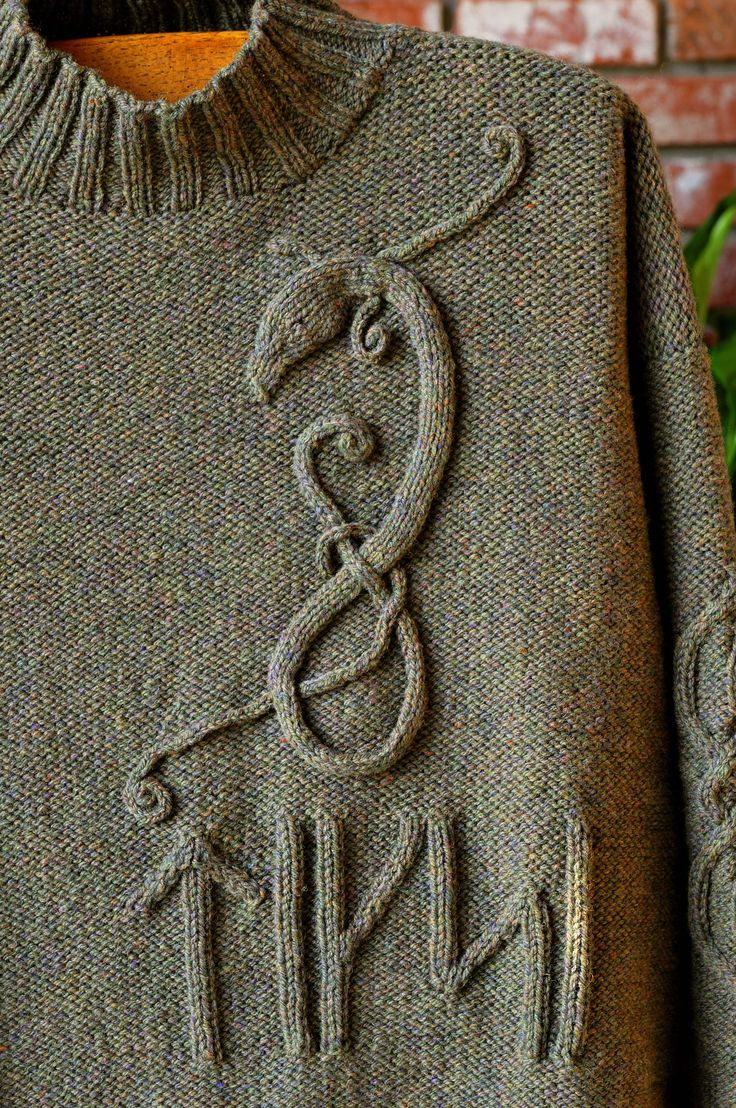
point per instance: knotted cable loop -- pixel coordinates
(355, 441)
(330, 538)
(150, 802)
(357, 573)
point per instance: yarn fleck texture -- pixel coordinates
(368, 582)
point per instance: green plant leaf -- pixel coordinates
(700, 236)
(703, 253)
(704, 249)
(723, 367)
(723, 364)
(704, 269)
(729, 442)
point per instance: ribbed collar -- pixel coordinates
(289, 98)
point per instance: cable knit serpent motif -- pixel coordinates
(315, 305)
(361, 569)
(718, 788)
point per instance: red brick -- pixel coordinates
(591, 32)
(686, 111)
(724, 289)
(701, 30)
(411, 13)
(697, 184)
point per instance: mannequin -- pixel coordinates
(157, 66)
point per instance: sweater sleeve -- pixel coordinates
(694, 547)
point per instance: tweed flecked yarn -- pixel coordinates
(368, 583)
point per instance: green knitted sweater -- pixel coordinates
(368, 583)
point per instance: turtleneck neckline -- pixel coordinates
(285, 103)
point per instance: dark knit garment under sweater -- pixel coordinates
(368, 583)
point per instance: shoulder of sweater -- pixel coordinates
(481, 63)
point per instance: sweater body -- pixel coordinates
(339, 761)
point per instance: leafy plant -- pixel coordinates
(703, 254)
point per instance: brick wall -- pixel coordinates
(677, 58)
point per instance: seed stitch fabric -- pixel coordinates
(368, 583)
